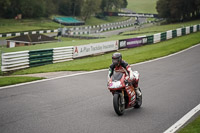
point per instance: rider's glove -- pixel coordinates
(109, 81)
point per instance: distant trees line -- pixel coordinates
(45, 8)
(178, 10)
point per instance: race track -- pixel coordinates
(82, 103)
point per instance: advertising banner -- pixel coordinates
(141, 15)
(131, 43)
(86, 50)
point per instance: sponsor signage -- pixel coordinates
(141, 15)
(131, 43)
(86, 50)
(122, 43)
(144, 40)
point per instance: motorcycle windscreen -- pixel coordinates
(117, 76)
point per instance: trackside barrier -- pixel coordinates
(15, 60)
(169, 34)
(24, 59)
(150, 39)
(78, 30)
(40, 57)
(27, 32)
(62, 54)
(163, 36)
(174, 33)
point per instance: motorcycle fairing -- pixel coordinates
(131, 94)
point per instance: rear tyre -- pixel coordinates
(118, 106)
(138, 101)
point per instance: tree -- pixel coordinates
(163, 8)
(110, 5)
(65, 7)
(90, 7)
(178, 10)
(124, 4)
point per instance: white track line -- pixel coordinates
(183, 120)
(72, 75)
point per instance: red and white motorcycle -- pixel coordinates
(124, 95)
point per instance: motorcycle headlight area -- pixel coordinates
(116, 84)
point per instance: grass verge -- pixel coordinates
(4, 81)
(192, 127)
(132, 56)
(142, 6)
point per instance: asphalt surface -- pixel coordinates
(82, 104)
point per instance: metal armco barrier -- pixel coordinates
(24, 59)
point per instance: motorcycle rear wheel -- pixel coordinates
(117, 103)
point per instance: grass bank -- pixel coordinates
(132, 56)
(4, 81)
(142, 6)
(12, 25)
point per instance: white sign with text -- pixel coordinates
(85, 50)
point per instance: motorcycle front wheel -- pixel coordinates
(138, 101)
(117, 103)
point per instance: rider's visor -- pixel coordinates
(115, 61)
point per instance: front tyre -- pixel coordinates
(138, 101)
(117, 103)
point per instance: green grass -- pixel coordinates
(162, 28)
(193, 127)
(142, 6)
(132, 56)
(4, 81)
(12, 25)
(96, 21)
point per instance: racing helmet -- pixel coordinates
(116, 58)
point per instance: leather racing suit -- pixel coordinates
(124, 67)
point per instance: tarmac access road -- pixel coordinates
(82, 103)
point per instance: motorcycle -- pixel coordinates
(124, 94)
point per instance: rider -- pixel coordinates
(118, 65)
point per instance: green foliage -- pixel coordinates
(4, 81)
(70, 7)
(89, 8)
(28, 8)
(44, 8)
(178, 10)
(110, 5)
